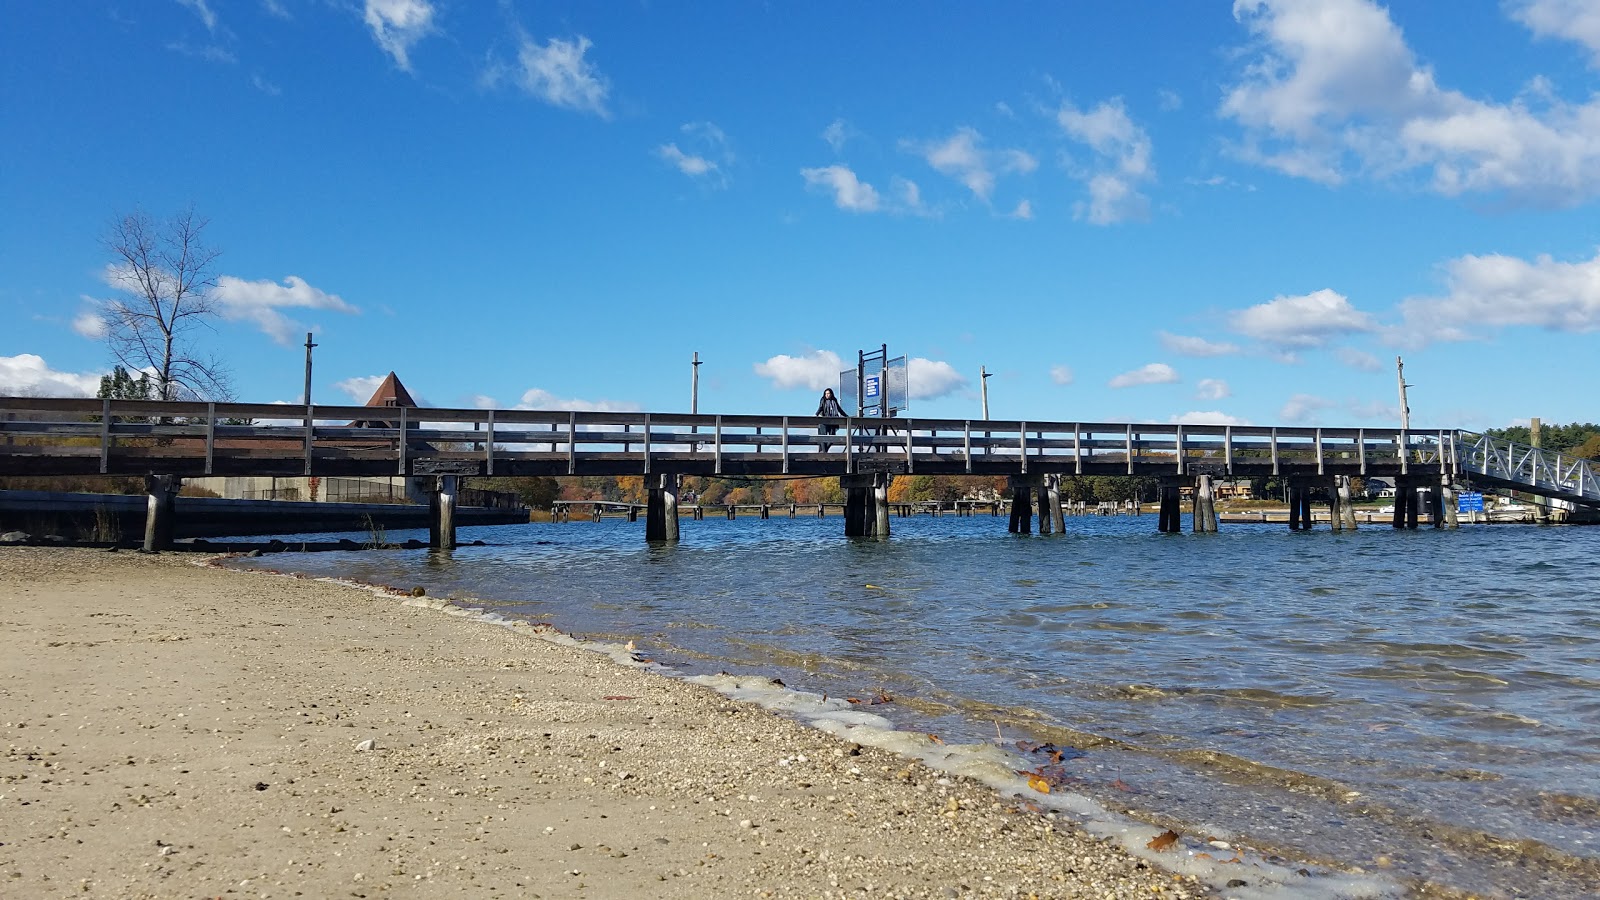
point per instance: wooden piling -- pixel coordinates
(1205, 507)
(160, 509)
(1021, 507)
(661, 510)
(1447, 492)
(442, 512)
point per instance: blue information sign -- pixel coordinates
(870, 387)
(1469, 501)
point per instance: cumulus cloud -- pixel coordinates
(929, 379)
(1061, 375)
(1358, 359)
(259, 302)
(360, 388)
(1309, 409)
(1573, 20)
(1122, 150)
(539, 398)
(1334, 90)
(397, 26)
(556, 73)
(837, 134)
(1196, 346)
(1310, 320)
(1152, 373)
(1207, 417)
(849, 193)
(27, 375)
(1303, 409)
(709, 157)
(1212, 389)
(816, 370)
(963, 157)
(90, 324)
(1488, 293)
(1023, 210)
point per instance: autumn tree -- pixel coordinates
(164, 274)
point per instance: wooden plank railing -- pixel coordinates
(63, 436)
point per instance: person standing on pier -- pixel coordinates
(828, 407)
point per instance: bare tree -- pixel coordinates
(164, 271)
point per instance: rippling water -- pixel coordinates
(1419, 701)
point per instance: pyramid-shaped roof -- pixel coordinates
(392, 393)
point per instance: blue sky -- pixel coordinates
(1150, 211)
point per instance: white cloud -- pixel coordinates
(1335, 91)
(1308, 409)
(837, 134)
(1023, 211)
(708, 141)
(1153, 373)
(27, 375)
(816, 370)
(1123, 164)
(90, 324)
(1304, 409)
(362, 387)
(928, 379)
(1207, 417)
(1170, 100)
(1212, 389)
(1487, 293)
(203, 10)
(693, 166)
(1196, 346)
(538, 398)
(1061, 375)
(275, 9)
(397, 26)
(1574, 20)
(849, 193)
(1310, 320)
(558, 74)
(258, 302)
(962, 157)
(1358, 359)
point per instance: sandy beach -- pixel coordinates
(173, 730)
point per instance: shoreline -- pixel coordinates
(180, 730)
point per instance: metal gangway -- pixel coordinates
(1506, 464)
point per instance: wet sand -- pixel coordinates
(173, 730)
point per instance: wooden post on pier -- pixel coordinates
(1052, 498)
(1170, 518)
(661, 508)
(1021, 506)
(1447, 497)
(161, 491)
(1344, 510)
(1436, 507)
(1205, 506)
(442, 513)
(866, 504)
(1299, 505)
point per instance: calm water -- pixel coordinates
(1401, 700)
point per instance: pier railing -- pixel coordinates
(1530, 469)
(62, 436)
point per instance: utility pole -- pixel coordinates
(309, 345)
(1405, 409)
(694, 385)
(983, 379)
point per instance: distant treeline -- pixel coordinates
(1581, 440)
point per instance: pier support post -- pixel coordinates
(161, 491)
(1205, 506)
(1051, 498)
(866, 504)
(1021, 507)
(442, 513)
(1170, 520)
(1299, 505)
(1447, 496)
(1436, 507)
(1346, 511)
(661, 508)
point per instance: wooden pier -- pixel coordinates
(167, 441)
